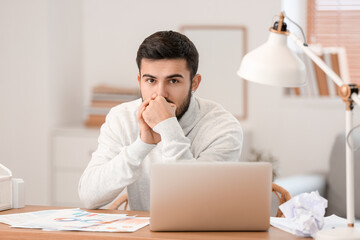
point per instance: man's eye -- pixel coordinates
(150, 80)
(174, 81)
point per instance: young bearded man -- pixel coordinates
(168, 124)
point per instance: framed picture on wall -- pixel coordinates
(221, 48)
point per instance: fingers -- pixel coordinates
(142, 109)
(145, 103)
(143, 106)
(173, 108)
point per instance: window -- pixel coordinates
(336, 23)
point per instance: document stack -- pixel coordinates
(103, 99)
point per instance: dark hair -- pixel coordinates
(169, 45)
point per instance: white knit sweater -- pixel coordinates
(206, 132)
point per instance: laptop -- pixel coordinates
(210, 196)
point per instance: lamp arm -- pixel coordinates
(349, 93)
(346, 91)
(334, 77)
(355, 98)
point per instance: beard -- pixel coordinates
(184, 106)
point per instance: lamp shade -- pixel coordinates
(273, 63)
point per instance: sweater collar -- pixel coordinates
(188, 119)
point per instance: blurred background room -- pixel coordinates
(58, 56)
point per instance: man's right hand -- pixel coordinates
(147, 135)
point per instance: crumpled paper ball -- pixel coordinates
(306, 213)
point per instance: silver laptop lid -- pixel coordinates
(210, 196)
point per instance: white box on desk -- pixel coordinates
(5, 188)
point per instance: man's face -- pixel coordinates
(168, 78)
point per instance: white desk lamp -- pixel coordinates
(273, 63)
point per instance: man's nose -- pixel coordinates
(161, 91)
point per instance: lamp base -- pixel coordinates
(339, 233)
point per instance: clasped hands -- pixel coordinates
(151, 112)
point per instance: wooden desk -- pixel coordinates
(15, 233)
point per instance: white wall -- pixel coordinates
(54, 51)
(41, 84)
(24, 120)
(65, 61)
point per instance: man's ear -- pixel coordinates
(138, 78)
(196, 82)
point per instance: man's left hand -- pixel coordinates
(158, 110)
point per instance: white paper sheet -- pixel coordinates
(76, 220)
(330, 222)
(126, 225)
(20, 218)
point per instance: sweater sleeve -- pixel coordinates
(113, 166)
(175, 145)
(219, 140)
